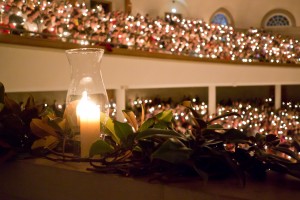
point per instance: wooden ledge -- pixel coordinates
(42, 179)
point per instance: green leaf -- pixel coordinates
(260, 138)
(122, 130)
(173, 151)
(271, 138)
(147, 124)
(200, 123)
(100, 147)
(49, 142)
(287, 151)
(212, 142)
(30, 102)
(11, 105)
(215, 127)
(108, 127)
(56, 124)
(162, 125)
(154, 132)
(42, 129)
(131, 119)
(278, 159)
(165, 116)
(197, 119)
(233, 135)
(296, 144)
(225, 115)
(48, 112)
(188, 104)
(142, 114)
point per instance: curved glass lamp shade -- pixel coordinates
(87, 102)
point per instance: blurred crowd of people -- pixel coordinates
(256, 116)
(76, 23)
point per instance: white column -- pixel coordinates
(212, 99)
(120, 95)
(277, 96)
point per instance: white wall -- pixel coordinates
(25, 68)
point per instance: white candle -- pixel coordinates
(89, 121)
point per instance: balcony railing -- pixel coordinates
(37, 39)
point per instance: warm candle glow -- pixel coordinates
(88, 114)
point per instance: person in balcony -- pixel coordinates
(30, 25)
(9, 4)
(16, 20)
(19, 4)
(25, 12)
(50, 31)
(4, 25)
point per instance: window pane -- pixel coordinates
(278, 20)
(220, 19)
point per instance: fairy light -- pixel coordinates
(59, 106)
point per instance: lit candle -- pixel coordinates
(88, 114)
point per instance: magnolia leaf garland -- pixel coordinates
(151, 146)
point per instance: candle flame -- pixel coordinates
(86, 108)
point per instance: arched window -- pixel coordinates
(222, 16)
(220, 19)
(278, 20)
